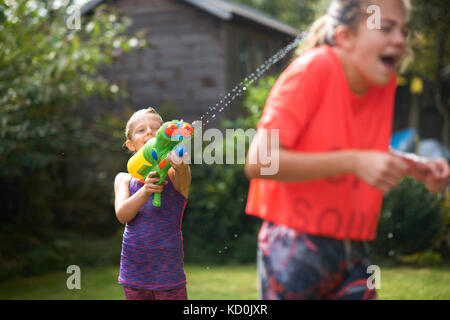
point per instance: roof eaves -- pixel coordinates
(218, 11)
(89, 5)
(224, 10)
(257, 16)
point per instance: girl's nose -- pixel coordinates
(149, 133)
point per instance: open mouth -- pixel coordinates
(389, 61)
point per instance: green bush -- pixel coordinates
(56, 158)
(28, 256)
(411, 221)
(216, 228)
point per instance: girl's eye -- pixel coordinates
(405, 33)
(386, 29)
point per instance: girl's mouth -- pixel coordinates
(146, 139)
(389, 61)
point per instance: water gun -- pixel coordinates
(153, 155)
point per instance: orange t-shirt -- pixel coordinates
(314, 109)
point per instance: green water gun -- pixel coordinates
(153, 155)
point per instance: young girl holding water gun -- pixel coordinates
(151, 266)
(332, 110)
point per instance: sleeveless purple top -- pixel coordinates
(152, 247)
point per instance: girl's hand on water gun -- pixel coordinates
(150, 185)
(381, 170)
(178, 163)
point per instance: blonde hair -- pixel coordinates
(348, 13)
(137, 115)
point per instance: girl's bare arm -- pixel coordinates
(127, 207)
(180, 175)
(380, 169)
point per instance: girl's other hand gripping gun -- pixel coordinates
(153, 155)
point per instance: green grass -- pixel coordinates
(218, 283)
(406, 283)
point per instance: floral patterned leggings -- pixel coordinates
(295, 265)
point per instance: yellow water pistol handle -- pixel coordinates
(138, 166)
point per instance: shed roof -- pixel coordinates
(225, 10)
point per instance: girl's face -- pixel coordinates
(143, 129)
(376, 52)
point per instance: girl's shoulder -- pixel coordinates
(121, 178)
(317, 63)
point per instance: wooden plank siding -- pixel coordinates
(196, 58)
(186, 66)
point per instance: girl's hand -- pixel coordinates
(150, 187)
(178, 163)
(381, 170)
(180, 174)
(433, 172)
(437, 179)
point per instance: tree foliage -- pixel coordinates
(48, 141)
(45, 71)
(430, 43)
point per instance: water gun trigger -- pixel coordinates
(163, 163)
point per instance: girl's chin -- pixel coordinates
(387, 72)
(382, 78)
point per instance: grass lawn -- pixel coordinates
(218, 283)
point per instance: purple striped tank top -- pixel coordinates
(152, 246)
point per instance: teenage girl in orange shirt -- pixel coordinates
(332, 110)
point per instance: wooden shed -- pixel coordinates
(201, 50)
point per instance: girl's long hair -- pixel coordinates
(348, 13)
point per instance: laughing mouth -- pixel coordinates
(390, 61)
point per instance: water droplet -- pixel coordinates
(220, 251)
(391, 253)
(390, 235)
(213, 116)
(235, 235)
(244, 88)
(225, 248)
